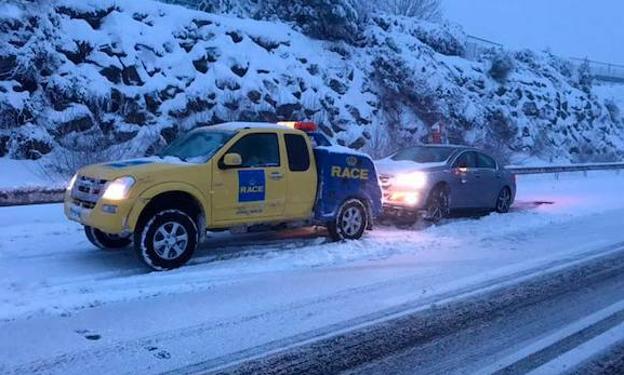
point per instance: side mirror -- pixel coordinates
(232, 160)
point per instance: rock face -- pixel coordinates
(142, 72)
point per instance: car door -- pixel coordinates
(256, 190)
(464, 181)
(489, 180)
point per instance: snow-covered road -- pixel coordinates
(66, 307)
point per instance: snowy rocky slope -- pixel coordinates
(131, 75)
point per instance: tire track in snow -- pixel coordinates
(347, 345)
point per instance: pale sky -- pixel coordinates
(571, 28)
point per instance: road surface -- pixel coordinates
(68, 308)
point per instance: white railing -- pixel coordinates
(476, 46)
(602, 71)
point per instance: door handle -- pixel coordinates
(276, 175)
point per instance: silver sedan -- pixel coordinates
(434, 181)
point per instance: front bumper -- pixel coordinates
(403, 212)
(97, 217)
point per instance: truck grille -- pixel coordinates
(87, 191)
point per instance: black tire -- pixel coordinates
(438, 204)
(166, 239)
(106, 241)
(350, 222)
(503, 201)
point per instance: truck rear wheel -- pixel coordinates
(106, 241)
(351, 221)
(166, 240)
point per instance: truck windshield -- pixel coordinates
(197, 146)
(423, 154)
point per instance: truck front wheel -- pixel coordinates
(105, 240)
(166, 240)
(351, 221)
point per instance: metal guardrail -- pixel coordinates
(31, 195)
(566, 168)
(34, 195)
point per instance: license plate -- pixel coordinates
(74, 213)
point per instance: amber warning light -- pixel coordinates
(306, 126)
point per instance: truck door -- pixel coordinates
(302, 177)
(255, 191)
(465, 181)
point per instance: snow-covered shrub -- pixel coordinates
(428, 10)
(614, 111)
(79, 150)
(321, 19)
(446, 39)
(501, 67)
(585, 77)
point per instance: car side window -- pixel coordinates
(484, 161)
(466, 160)
(258, 150)
(297, 151)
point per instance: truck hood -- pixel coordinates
(137, 168)
(389, 167)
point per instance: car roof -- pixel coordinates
(456, 147)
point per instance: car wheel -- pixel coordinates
(438, 204)
(351, 221)
(106, 241)
(503, 201)
(167, 240)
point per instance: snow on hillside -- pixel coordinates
(94, 76)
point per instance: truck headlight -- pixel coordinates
(118, 189)
(414, 180)
(72, 182)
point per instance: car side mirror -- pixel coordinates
(232, 160)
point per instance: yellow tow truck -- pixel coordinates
(228, 176)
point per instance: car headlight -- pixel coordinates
(414, 180)
(118, 189)
(72, 182)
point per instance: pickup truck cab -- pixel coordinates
(233, 176)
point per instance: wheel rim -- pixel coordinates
(503, 200)
(438, 206)
(352, 221)
(170, 240)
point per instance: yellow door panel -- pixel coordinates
(257, 190)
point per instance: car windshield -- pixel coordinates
(197, 146)
(424, 154)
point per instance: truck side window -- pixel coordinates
(466, 160)
(484, 161)
(258, 150)
(298, 154)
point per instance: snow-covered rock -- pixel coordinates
(139, 73)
